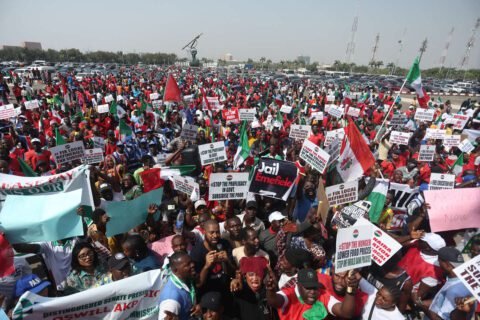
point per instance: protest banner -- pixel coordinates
(441, 181)
(315, 156)
(353, 248)
(39, 218)
(98, 142)
(336, 111)
(154, 96)
(398, 120)
(300, 132)
(76, 178)
(466, 146)
(230, 115)
(427, 153)
(342, 193)
(402, 195)
(348, 216)
(453, 209)
(435, 133)
(135, 297)
(286, 109)
(332, 135)
(7, 111)
(186, 185)
(212, 152)
(225, 186)
(383, 245)
(469, 274)
(400, 138)
(247, 114)
(354, 112)
(273, 178)
(103, 108)
(93, 156)
(317, 115)
(458, 120)
(451, 140)
(424, 115)
(125, 215)
(32, 104)
(189, 132)
(109, 98)
(68, 152)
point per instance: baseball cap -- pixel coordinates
(451, 255)
(35, 140)
(119, 144)
(308, 278)
(211, 301)
(252, 204)
(30, 282)
(275, 216)
(199, 203)
(117, 261)
(105, 186)
(434, 241)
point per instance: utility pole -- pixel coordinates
(470, 43)
(374, 50)
(400, 49)
(351, 45)
(445, 50)
(423, 48)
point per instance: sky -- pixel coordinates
(277, 30)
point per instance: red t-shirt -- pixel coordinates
(293, 309)
(32, 158)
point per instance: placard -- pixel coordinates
(7, 111)
(333, 149)
(427, 153)
(225, 186)
(273, 178)
(103, 108)
(424, 115)
(186, 185)
(400, 137)
(230, 115)
(398, 120)
(189, 132)
(109, 98)
(353, 248)
(154, 96)
(317, 115)
(332, 135)
(188, 98)
(468, 274)
(314, 156)
(33, 104)
(247, 114)
(466, 146)
(458, 120)
(402, 195)
(214, 103)
(441, 181)
(342, 193)
(435, 133)
(335, 111)
(98, 142)
(354, 112)
(286, 109)
(156, 104)
(212, 152)
(451, 140)
(300, 132)
(68, 152)
(349, 215)
(93, 156)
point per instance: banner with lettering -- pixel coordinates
(273, 178)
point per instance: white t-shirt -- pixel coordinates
(378, 314)
(58, 260)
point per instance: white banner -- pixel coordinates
(212, 152)
(225, 186)
(427, 153)
(33, 104)
(93, 156)
(314, 156)
(353, 248)
(189, 132)
(424, 115)
(135, 297)
(400, 137)
(440, 181)
(300, 132)
(342, 193)
(468, 274)
(68, 152)
(7, 112)
(247, 114)
(103, 108)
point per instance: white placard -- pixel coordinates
(189, 132)
(7, 111)
(300, 132)
(154, 96)
(435, 133)
(441, 181)
(188, 98)
(93, 156)
(314, 156)
(185, 184)
(286, 109)
(424, 115)
(109, 98)
(33, 104)
(468, 274)
(466, 146)
(342, 193)
(353, 248)
(335, 111)
(68, 152)
(332, 135)
(451, 140)
(331, 98)
(317, 115)
(354, 112)
(400, 137)
(398, 120)
(98, 142)
(333, 149)
(247, 114)
(103, 108)
(212, 152)
(156, 104)
(459, 121)
(224, 186)
(427, 153)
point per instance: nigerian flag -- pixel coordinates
(377, 197)
(26, 169)
(243, 150)
(59, 138)
(458, 165)
(124, 129)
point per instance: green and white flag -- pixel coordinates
(124, 129)
(243, 150)
(377, 197)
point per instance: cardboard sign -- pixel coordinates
(466, 146)
(348, 216)
(441, 181)
(230, 115)
(68, 152)
(383, 246)
(7, 112)
(451, 140)
(98, 142)
(93, 156)
(398, 120)
(336, 111)
(427, 153)
(273, 178)
(186, 185)
(459, 121)
(109, 98)
(247, 114)
(214, 103)
(400, 137)
(212, 152)
(342, 193)
(424, 115)
(314, 156)
(286, 109)
(333, 149)
(300, 132)
(103, 108)
(154, 96)
(354, 112)
(33, 104)
(156, 104)
(468, 273)
(402, 195)
(224, 186)
(453, 209)
(435, 133)
(353, 248)
(331, 98)
(332, 135)
(317, 115)
(189, 132)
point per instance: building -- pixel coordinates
(32, 45)
(304, 59)
(6, 47)
(228, 57)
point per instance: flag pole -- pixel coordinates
(389, 109)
